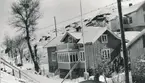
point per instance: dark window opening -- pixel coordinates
(130, 19)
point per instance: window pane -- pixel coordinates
(71, 58)
(76, 57)
(130, 19)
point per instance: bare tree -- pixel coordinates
(26, 13)
(20, 45)
(8, 42)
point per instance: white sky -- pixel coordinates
(62, 9)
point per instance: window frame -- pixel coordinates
(107, 52)
(104, 40)
(53, 56)
(82, 56)
(130, 20)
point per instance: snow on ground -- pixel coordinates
(118, 78)
(7, 78)
(55, 79)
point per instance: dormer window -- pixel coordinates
(104, 38)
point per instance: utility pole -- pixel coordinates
(85, 73)
(123, 42)
(55, 26)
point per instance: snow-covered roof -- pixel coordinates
(75, 35)
(130, 35)
(132, 8)
(55, 41)
(91, 34)
(136, 38)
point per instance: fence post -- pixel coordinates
(19, 74)
(13, 72)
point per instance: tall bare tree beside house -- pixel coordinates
(26, 14)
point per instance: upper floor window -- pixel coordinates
(130, 20)
(104, 38)
(53, 56)
(125, 20)
(105, 53)
(82, 56)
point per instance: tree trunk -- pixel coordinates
(21, 56)
(36, 66)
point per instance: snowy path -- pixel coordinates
(7, 78)
(56, 79)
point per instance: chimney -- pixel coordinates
(130, 4)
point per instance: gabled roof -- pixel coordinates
(75, 35)
(54, 42)
(136, 38)
(91, 34)
(132, 8)
(130, 35)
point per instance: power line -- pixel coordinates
(78, 16)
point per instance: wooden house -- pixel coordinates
(133, 18)
(101, 45)
(136, 51)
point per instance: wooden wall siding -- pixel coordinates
(89, 56)
(136, 51)
(112, 44)
(64, 66)
(52, 65)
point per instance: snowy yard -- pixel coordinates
(56, 79)
(7, 78)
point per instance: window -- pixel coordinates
(82, 56)
(104, 38)
(125, 20)
(73, 57)
(63, 57)
(105, 53)
(130, 20)
(53, 56)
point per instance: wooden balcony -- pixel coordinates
(67, 46)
